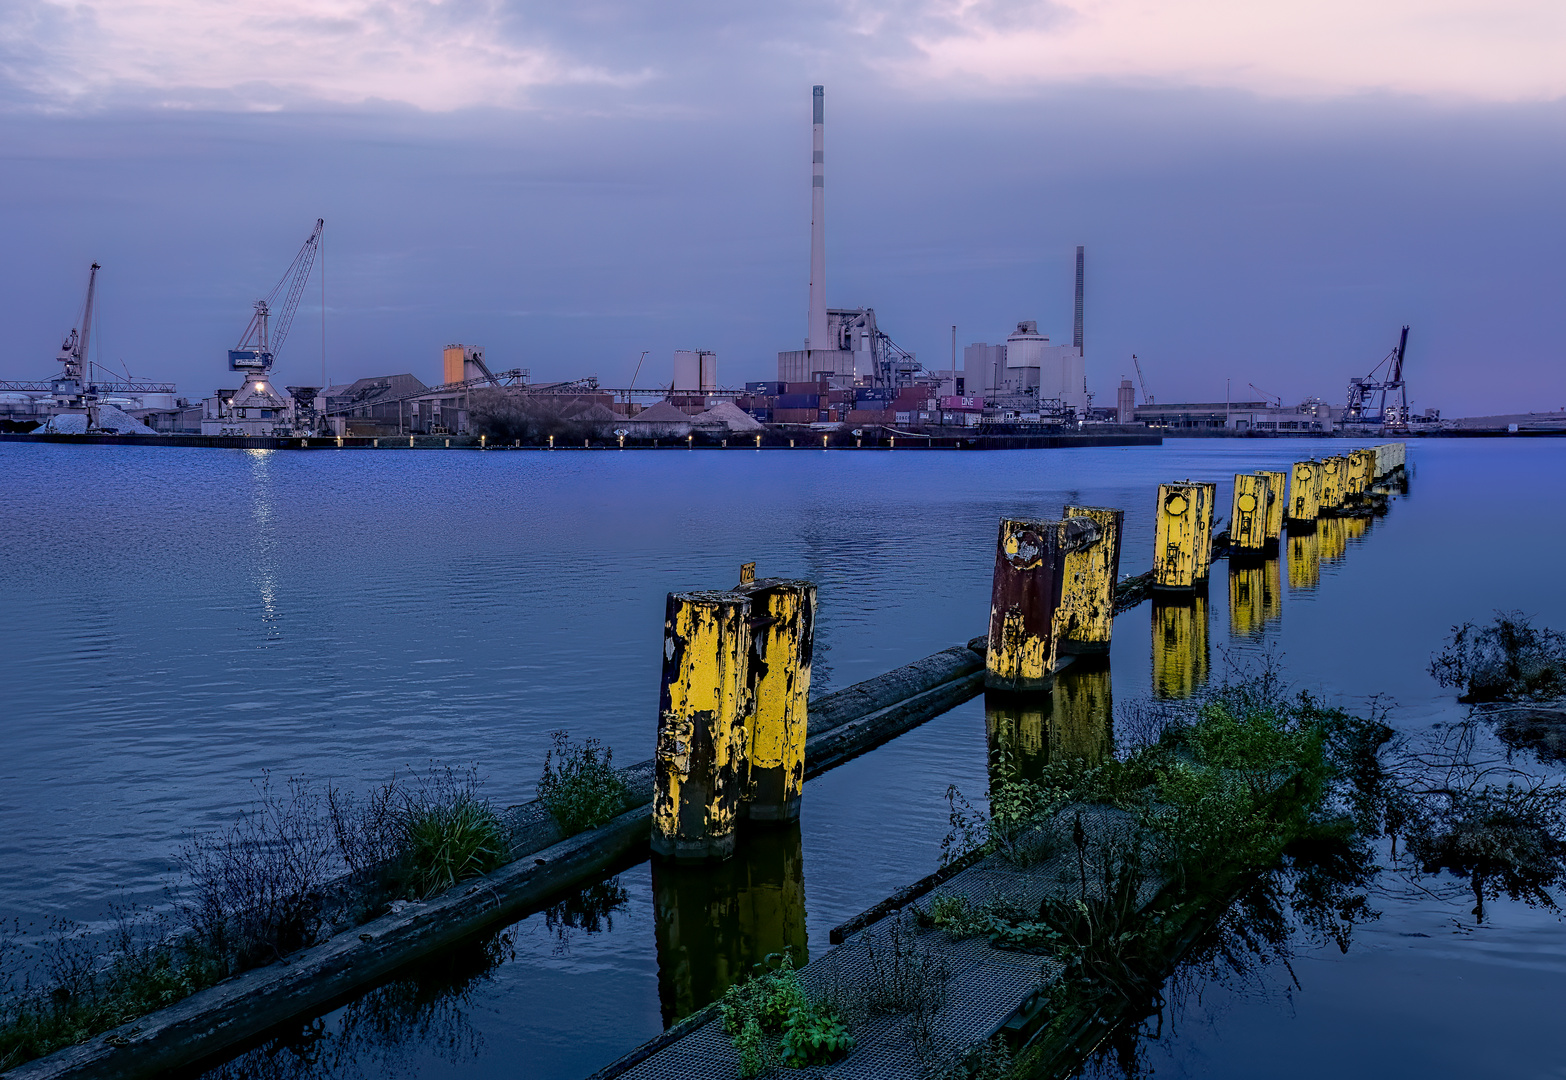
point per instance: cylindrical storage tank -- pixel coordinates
(703, 715)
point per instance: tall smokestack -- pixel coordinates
(817, 335)
(1076, 328)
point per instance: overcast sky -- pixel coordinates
(1267, 192)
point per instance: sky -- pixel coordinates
(1266, 192)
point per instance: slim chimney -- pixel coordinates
(816, 337)
(1076, 329)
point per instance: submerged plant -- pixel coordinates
(1508, 660)
(580, 787)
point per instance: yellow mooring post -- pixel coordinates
(1303, 505)
(1361, 464)
(1085, 619)
(1204, 531)
(1029, 577)
(1178, 540)
(1334, 473)
(1181, 658)
(1248, 514)
(1277, 504)
(783, 633)
(704, 713)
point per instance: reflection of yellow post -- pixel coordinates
(1334, 539)
(1177, 539)
(1248, 515)
(704, 710)
(1277, 503)
(1303, 495)
(714, 924)
(1081, 708)
(1356, 527)
(782, 645)
(1304, 560)
(1028, 582)
(1014, 729)
(1247, 589)
(1272, 591)
(1086, 616)
(1180, 657)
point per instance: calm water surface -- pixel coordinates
(181, 620)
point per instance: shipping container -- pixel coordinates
(767, 389)
(805, 387)
(962, 404)
(794, 416)
(797, 401)
(869, 416)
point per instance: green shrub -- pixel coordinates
(814, 1035)
(449, 840)
(580, 787)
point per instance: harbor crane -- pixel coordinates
(1147, 399)
(262, 341)
(1390, 409)
(73, 386)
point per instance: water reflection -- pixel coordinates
(1332, 538)
(1304, 560)
(1072, 719)
(1255, 597)
(392, 1031)
(716, 923)
(1181, 660)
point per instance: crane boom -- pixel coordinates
(261, 343)
(1147, 399)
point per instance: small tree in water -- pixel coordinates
(1509, 660)
(1504, 840)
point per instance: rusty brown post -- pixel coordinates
(1029, 578)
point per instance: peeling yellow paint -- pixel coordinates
(1248, 512)
(1304, 491)
(1085, 620)
(1177, 536)
(782, 649)
(705, 706)
(1277, 503)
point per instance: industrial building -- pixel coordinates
(842, 345)
(1027, 378)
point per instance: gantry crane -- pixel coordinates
(1390, 415)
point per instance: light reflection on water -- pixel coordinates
(460, 606)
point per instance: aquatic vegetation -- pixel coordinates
(580, 787)
(73, 985)
(450, 840)
(1508, 660)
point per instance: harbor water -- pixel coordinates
(180, 622)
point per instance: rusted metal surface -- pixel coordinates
(1029, 579)
(1248, 513)
(1180, 546)
(1085, 620)
(705, 708)
(1181, 659)
(783, 636)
